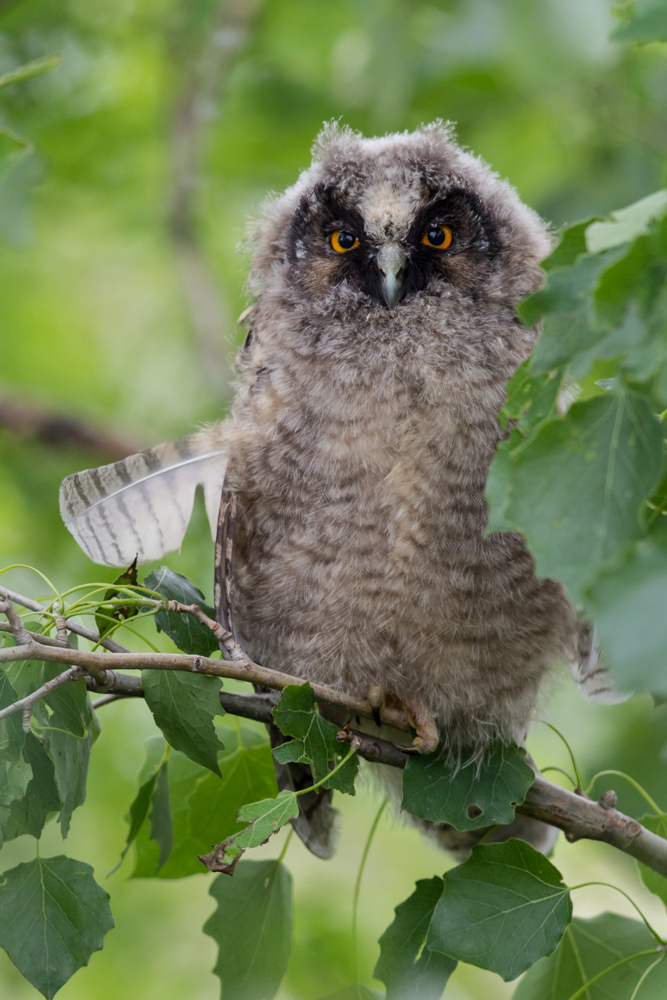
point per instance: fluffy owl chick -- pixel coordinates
(366, 420)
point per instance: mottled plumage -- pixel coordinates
(366, 419)
(361, 439)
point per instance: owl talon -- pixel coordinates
(428, 737)
(376, 701)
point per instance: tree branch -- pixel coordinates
(578, 816)
(25, 704)
(59, 430)
(85, 633)
(207, 62)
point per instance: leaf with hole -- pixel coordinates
(503, 909)
(477, 794)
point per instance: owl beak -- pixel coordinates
(391, 265)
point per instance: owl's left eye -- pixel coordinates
(341, 241)
(439, 237)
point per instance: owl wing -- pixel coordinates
(141, 506)
(593, 679)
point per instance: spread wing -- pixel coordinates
(141, 506)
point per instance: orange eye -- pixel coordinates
(341, 241)
(439, 237)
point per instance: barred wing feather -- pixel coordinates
(141, 506)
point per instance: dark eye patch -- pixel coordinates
(465, 214)
(318, 214)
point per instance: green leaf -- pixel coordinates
(70, 757)
(119, 612)
(628, 604)
(12, 150)
(162, 828)
(29, 813)
(408, 969)
(567, 290)
(15, 771)
(31, 69)
(356, 991)
(476, 795)
(70, 704)
(531, 399)
(252, 927)
(296, 715)
(265, 819)
(626, 223)
(655, 883)
(185, 631)
(588, 948)
(644, 21)
(291, 752)
(572, 244)
(155, 752)
(205, 807)
(503, 909)
(638, 275)
(183, 706)
(53, 916)
(577, 486)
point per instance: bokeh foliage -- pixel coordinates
(96, 322)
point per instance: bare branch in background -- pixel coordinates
(61, 431)
(197, 105)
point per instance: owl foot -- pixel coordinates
(428, 737)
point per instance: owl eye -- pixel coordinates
(439, 237)
(342, 241)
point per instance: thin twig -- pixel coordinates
(25, 704)
(20, 635)
(85, 633)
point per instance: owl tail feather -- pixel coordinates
(593, 679)
(141, 506)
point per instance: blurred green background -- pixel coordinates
(163, 129)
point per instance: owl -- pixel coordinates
(380, 342)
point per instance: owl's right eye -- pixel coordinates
(342, 241)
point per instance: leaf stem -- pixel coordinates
(645, 973)
(282, 854)
(560, 770)
(609, 885)
(357, 886)
(579, 785)
(330, 774)
(616, 965)
(635, 784)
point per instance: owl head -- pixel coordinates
(388, 224)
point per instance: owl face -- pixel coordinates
(386, 250)
(386, 225)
